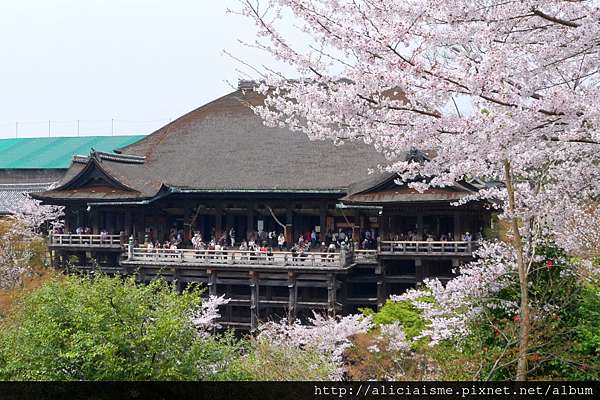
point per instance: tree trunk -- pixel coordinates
(523, 280)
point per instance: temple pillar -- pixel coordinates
(250, 219)
(187, 223)
(457, 228)
(381, 287)
(254, 300)
(293, 296)
(356, 227)
(289, 226)
(212, 282)
(322, 220)
(128, 223)
(218, 222)
(420, 227)
(419, 271)
(95, 217)
(331, 294)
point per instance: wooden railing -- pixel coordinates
(74, 240)
(238, 257)
(365, 256)
(426, 247)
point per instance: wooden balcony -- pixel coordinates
(86, 242)
(426, 248)
(238, 258)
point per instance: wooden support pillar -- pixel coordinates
(382, 220)
(254, 300)
(381, 286)
(457, 228)
(212, 282)
(95, 217)
(218, 222)
(177, 279)
(331, 294)
(344, 294)
(289, 226)
(323, 220)
(356, 228)
(229, 221)
(128, 223)
(187, 222)
(419, 271)
(250, 219)
(420, 227)
(110, 219)
(228, 307)
(293, 297)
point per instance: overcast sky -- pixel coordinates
(140, 62)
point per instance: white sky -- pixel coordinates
(140, 62)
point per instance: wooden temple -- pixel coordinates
(219, 168)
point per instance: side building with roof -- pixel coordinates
(32, 165)
(218, 172)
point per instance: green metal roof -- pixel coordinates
(55, 152)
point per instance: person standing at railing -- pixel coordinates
(331, 249)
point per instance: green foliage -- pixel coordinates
(400, 311)
(101, 328)
(584, 354)
(565, 333)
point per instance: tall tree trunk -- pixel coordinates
(523, 279)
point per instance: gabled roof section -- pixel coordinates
(104, 176)
(384, 188)
(93, 175)
(387, 190)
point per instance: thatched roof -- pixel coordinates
(223, 146)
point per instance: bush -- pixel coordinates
(102, 328)
(274, 362)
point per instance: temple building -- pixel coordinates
(351, 236)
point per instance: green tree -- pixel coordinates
(102, 328)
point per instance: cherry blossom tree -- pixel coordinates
(505, 91)
(205, 318)
(330, 336)
(21, 229)
(30, 215)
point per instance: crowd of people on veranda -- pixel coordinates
(267, 242)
